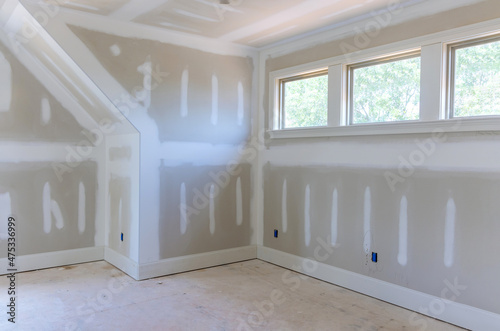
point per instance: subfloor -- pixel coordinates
(251, 295)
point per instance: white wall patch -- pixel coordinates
(403, 232)
(307, 215)
(241, 104)
(184, 92)
(335, 216)
(183, 209)
(47, 212)
(212, 209)
(81, 208)
(215, 100)
(45, 112)
(284, 212)
(239, 203)
(366, 221)
(449, 233)
(115, 50)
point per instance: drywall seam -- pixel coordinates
(334, 218)
(16, 152)
(258, 130)
(307, 215)
(403, 232)
(449, 233)
(284, 207)
(239, 202)
(455, 313)
(101, 216)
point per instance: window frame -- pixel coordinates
(282, 82)
(451, 54)
(365, 64)
(434, 112)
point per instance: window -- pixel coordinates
(385, 91)
(304, 100)
(475, 78)
(441, 82)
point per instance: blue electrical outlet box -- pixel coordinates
(374, 257)
(122, 237)
(275, 233)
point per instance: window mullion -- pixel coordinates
(432, 86)
(336, 112)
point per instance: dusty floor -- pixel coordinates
(251, 295)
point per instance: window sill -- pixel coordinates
(396, 128)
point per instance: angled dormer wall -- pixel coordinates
(191, 100)
(55, 125)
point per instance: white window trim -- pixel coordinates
(434, 112)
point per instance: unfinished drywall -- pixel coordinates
(183, 84)
(54, 210)
(203, 209)
(122, 186)
(427, 206)
(192, 108)
(39, 117)
(54, 125)
(51, 215)
(435, 226)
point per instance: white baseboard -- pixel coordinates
(122, 262)
(197, 261)
(54, 259)
(455, 313)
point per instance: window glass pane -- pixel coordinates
(306, 102)
(477, 80)
(386, 92)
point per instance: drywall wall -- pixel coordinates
(192, 107)
(437, 223)
(40, 117)
(54, 125)
(122, 187)
(55, 211)
(51, 215)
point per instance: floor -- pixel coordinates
(251, 295)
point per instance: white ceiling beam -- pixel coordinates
(134, 9)
(282, 17)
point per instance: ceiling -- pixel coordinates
(255, 23)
